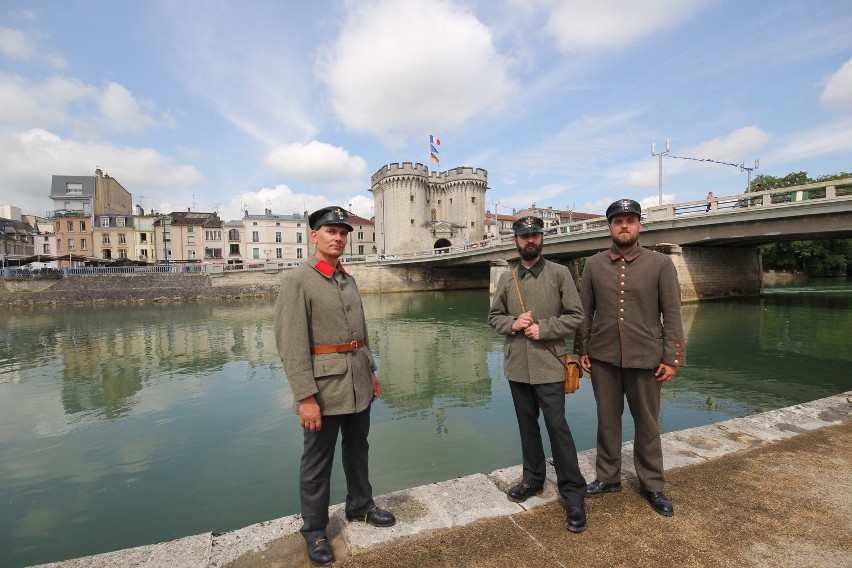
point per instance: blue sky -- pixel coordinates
(293, 105)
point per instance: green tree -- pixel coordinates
(816, 258)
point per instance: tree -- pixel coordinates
(816, 258)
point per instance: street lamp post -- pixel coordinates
(350, 235)
(660, 154)
(743, 168)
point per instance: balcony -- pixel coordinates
(65, 213)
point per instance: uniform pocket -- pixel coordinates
(330, 365)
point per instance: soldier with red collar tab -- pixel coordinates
(631, 341)
(321, 335)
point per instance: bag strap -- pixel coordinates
(543, 344)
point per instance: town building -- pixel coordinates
(188, 236)
(77, 201)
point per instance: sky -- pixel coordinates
(292, 105)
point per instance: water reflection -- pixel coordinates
(126, 425)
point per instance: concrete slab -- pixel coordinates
(188, 552)
(229, 546)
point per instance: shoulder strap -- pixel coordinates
(518, 288)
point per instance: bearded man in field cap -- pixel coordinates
(631, 341)
(321, 335)
(549, 312)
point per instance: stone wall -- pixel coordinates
(716, 272)
(230, 285)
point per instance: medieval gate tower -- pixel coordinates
(417, 210)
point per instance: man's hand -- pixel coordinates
(524, 321)
(665, 372)
(310, 415)
(532, 331)
(585, 363)
(377, 388)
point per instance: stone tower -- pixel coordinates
(418, 210)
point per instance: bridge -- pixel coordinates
(713, 244)
(813, 211)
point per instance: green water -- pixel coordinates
(128, 425)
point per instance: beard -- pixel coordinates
(625, 240)
(530, 252)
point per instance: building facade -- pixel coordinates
(417, 209)
(187, 236)
(77, 200)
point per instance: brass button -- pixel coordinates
(677, 360)
(622, 301)
(621, 309)
(621, 319)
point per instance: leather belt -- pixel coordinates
(340, 348)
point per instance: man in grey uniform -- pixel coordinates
(550, 311)
(631, 341)
(321, 336)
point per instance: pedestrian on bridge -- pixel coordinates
(321, 335)
(536, 306)
(631, 341)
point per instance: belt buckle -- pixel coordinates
(353, 345)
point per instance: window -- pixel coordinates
(277, 224)
(104, 221)
(412, 198)
(360, 249)
(122, 253)
(143, 238)
(212, 253)
(299, 238)
(82, 226)
(70, 244)
(360, 235)
(233, 235)
(107, 253)
(451, 200)
(45, 248)
(190, 240)
(70, 226)
(255, 236)
(213, 236)
(255, 253)
(73, 188)
(412, 221)
(119, 221)
(58, 245)
(191, 254)
(189, 229)
(277, 236)
(122, 238)
(234, 249)
(143, 254)
(473, 224)
(473, 200)
(299, 253)
(279, 253)
(105, 239)
(84, 245)
(87, 209)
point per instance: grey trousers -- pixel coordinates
(612, 385)
(548, 398)
(315, 471)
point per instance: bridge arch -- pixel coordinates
(442, 243)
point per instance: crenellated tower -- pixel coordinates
(417, 209)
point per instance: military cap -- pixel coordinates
(623, 206)
(527, 225)
(329, 216)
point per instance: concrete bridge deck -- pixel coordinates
(766, 490)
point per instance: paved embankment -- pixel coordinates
(773, 489)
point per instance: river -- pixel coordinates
(124, 425)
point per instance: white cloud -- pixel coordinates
(122, 112)
(831, 139)
(15, 44)
(579, 25)
(50, 103)
(32, 156)
(401, 69)
(27, 104)
(838, 90)
(320, 164)
(282, 200)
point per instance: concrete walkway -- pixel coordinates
(773, 489)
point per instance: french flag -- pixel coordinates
(433, 140)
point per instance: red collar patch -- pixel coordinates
(326, 269)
